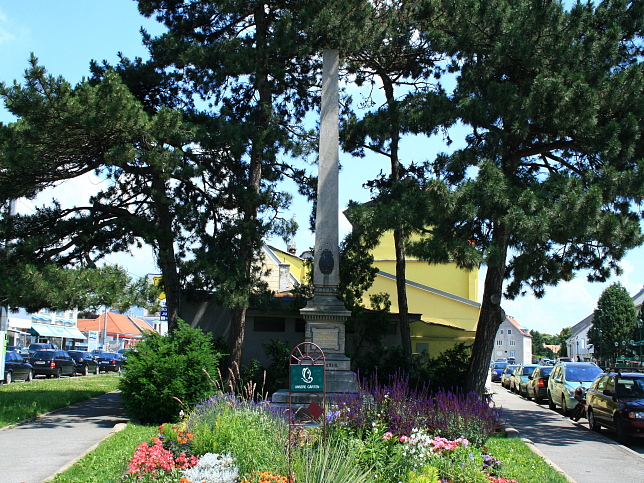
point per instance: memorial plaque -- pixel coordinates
(326, 338)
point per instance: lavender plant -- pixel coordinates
(398, 408)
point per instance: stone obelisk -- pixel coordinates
(324, 314)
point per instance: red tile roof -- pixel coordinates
(117, 325)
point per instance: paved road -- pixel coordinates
(32, 452)
(585, 456)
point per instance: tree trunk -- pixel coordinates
(236, 340)
(401, 289)
(165, 254)
(399, 238)
(248, 239)
(490, 317)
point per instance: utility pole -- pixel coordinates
(4, 310)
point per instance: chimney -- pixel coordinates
(285, 277)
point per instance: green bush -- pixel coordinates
(166, 374)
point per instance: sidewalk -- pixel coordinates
(33, 452)
(584, 456)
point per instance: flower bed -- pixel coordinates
(388, 434)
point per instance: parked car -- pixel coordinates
(39, 346)
(110, 362)
(505, 375)
(84, 362)
(616, 400)
(16, 368)
(52, 363)
(520, 378)
(565, 378)
(496, 369)
(537, 386)
(13, 348)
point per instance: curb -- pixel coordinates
(117, 427)
(513, 433)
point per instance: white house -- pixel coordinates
(578, 347)
(513, 340)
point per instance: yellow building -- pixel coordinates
(442, 298)
(445, 296)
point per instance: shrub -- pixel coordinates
(166, 374)
(212, 468)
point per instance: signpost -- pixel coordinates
(307, 377)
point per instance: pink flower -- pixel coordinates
(387, 435)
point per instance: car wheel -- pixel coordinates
(7, 378)
(592, 422)
(551, 403)
(59, 373)
(564, 407)
(622, 438)
(30, 376)
(85, 371)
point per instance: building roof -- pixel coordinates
(513, 321)
(117, 324)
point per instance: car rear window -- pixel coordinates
(42, 355)
(546, 370)
(500, 365)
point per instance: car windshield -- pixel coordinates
(546, 370)
(582, 374)
(630, 387)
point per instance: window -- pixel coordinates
(513, 342)
(499, 342)
(513, 354)
(422, 347)
(270, 324)
(501, 331)
(509, 331)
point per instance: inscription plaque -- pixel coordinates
(326, 338)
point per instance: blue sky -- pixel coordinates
(66, 34)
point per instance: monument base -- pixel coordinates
(337, 384)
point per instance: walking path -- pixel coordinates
(33, 452)
(583, 455)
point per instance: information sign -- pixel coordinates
(307, 378)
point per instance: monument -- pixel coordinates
(324, 314)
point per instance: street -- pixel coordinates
(585, 456)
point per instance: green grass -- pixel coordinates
(24, 400)
(108, 462)
(520, 463)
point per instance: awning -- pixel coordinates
(45, 330)
(74, 333)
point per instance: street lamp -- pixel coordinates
(616, 352)
(577, 339)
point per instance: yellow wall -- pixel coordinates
(445, 321)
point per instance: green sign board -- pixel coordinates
(307, 378)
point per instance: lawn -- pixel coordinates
(25, 400)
